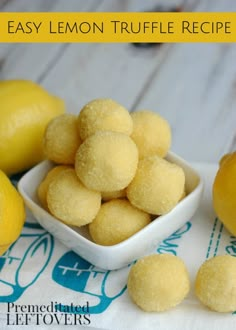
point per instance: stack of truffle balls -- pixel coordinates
(110, 170)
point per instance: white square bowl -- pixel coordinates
(142, 243)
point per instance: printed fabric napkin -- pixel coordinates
(43, 285)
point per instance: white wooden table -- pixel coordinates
(192, 85)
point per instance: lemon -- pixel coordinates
(12, 213)
(224, 192)
(224, 158)
(26, 108)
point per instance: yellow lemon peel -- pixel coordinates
(26, 109)
(12, 213)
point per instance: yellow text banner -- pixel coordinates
(117, 27)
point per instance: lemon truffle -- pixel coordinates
(215, 284)
(158, 282)
(151, 133)
(184, 194)
(43, 186)
(157, 187)
(104, 115)
(71, 202)
(116, 221)
(107, 196)
(62, 139)
(106, 161)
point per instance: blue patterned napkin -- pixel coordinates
(45, 285)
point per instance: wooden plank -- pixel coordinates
(18, 60)
(27, 5)
(195, 91)
(3, 3)
(172, 79)
(48, 5)
(85, 72)
(29, 61)
(77, 5)
(33, 61)
(37, 6)
(7, 50)
(149, 5)
(119, 71)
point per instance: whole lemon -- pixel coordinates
(12, 213)
(26, 108)
(224, 192)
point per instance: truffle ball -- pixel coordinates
(61, 139)
(106, 161)
(104, 115)
(116, 221)
(158, 282)
(43, 187)
(157, 187)
(151, 133)
(107, 196)
(184, 194)
(215, 284)
(70, 201)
